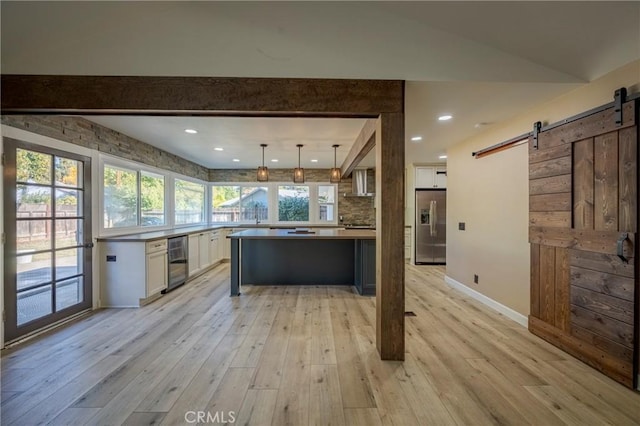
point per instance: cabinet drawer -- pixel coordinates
(156, 246)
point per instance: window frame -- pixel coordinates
(203, 211)
(239, 186)
(169, 196)
(272, 197)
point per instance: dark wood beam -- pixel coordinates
(364, 143)
(390, 233)
(199, 95)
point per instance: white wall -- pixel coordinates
(490, 195)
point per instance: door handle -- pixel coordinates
(623, 237)
(88, 245)
(433, 218)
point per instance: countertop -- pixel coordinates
(317, 234)
(177, 232)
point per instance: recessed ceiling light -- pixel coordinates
(274, 160)
(416, 138)
(314, 160)
(191, 131)
(236, 160)
(445, 117)
(218, 149)
(442, 157)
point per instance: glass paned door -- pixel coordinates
(48, 236)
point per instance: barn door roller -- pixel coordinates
(536, 129)
(619, 98)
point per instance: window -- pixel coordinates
(120, 197)
(151, 199)
(239, 203)
(189, 202)
(326, 202)
(293, 203)
(311, 203)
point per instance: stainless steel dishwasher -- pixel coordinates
(178, 251)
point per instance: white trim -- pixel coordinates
(499, 307)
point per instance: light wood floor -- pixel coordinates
(302, 355)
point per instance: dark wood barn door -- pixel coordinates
(583, 232)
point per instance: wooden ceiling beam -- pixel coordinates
(364, 143)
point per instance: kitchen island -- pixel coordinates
(303, 257)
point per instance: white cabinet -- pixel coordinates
(194, 254)
(214, 247)
(198, 253)
(203, 251)
(156, 267)
(430, 177)
(132, 272)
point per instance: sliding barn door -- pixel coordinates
(583, 233)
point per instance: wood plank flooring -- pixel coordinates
(302, 356)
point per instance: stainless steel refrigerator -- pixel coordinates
(431, 226)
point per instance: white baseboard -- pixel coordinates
(499, 307)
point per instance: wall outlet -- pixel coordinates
(475, 279)
(461, 226)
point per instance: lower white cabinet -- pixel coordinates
(194, 254)
(204, 251)
(214, 247)
(156, 267)
(132, 272)
(226, 244)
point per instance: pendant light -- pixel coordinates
(336, 173)
(263, 172)
(298, 172)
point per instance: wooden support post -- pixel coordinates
(390, 236)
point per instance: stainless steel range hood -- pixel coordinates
(359, 184)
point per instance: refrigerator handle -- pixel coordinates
(433, 218)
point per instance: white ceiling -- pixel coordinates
(479, 61)
(240, 138)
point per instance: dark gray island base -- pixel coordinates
(321, 257)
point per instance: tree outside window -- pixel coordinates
(293, 203)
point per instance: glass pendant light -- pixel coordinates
(336, 173)
(263, 172)
(298, 172)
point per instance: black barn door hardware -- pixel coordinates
(619, 98)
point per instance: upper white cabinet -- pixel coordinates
(431, 177)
